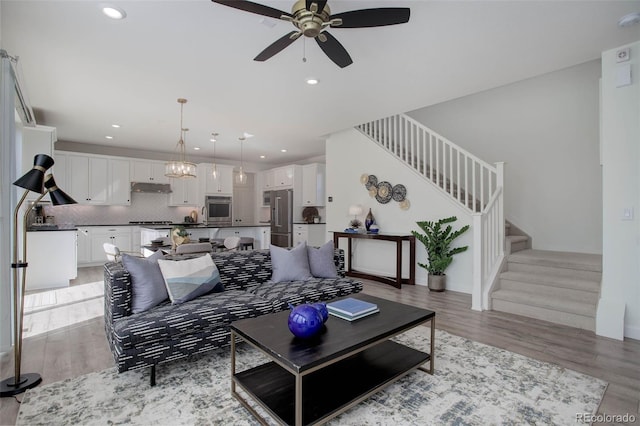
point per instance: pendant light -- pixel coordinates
(180, 168)
(214, 166)
(241, 177)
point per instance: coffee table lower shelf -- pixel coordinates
(328, 391)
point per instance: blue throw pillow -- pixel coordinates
(191, 278)
(290, 265)
(321, 261)
(147, 283)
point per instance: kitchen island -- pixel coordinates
(51, 257)
(261, 233)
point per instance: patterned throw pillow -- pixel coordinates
(147, 284)
(191, 278)
(321, 261)
(289, 265)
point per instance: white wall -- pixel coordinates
(546, 131)
(349, 154)
(621, 189)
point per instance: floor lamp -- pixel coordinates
(33, 181)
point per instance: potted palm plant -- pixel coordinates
(437, 240)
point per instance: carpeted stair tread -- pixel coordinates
(559, 259)
(543, 279)
(544, 301)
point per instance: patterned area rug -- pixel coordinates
(473, 384)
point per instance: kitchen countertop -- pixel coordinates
(52, 228)
(307, 223)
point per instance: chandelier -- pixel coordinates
(180, 168)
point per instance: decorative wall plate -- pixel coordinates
(371, 182)
(384, 192)
(364, 178)
(404, 204)
(399, 192)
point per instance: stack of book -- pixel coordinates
(351, 309)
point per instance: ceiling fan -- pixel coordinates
(312, 17)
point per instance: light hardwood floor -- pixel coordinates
(82, 348)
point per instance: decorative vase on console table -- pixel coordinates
(369, 220)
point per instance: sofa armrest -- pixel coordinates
(338, 258)
(117, 292)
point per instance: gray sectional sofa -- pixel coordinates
(168, 332)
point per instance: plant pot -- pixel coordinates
(437, 282)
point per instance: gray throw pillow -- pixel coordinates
(289, 265)
(147, 283)
(321, 261)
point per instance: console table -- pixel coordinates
(396, 281)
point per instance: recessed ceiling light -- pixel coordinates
(247, 135)
(115, 126)
(108, 137)
(283, 150)
(263, 156)
(312, 81)
(114, 12)
(196, 148)
(629, 19)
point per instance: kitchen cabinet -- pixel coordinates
(313, 184)
(87, 179)
(315, 235)
(184, 192)
(283, 177)
(244, 201)
(52, 259)
(119, 182)
(83, 245)
(268, 179)
(221, 185)
(119, 236)
(148, 171)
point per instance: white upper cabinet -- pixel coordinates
(268, 181)
(283, 177)
(87, 179)
(148, 171)
(184, 192)
(313, 184)
(221, 185)
(119, 182)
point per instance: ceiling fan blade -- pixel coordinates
(277, 46)
(320, 3)
(249, 6)
(379, 17)
(334, 50)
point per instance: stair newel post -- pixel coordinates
(478, 272)
(500, 184)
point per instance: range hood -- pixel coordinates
(157, 188)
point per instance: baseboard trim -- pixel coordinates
(632, 332)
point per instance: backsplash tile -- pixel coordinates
(144, 206)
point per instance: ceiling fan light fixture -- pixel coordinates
(180, 168)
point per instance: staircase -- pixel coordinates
(560, 287)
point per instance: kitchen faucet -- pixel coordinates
(205, 214)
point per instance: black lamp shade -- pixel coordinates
(58, 196)
(33, 179)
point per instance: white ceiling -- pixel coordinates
(84, 72)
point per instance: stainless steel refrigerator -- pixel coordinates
(282, 217)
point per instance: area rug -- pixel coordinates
(473, 384)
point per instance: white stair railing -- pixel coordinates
(460, 175)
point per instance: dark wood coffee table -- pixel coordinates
(312, 381)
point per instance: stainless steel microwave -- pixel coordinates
(218, 210)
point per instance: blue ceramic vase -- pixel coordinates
(322, 308)
(305, 321)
